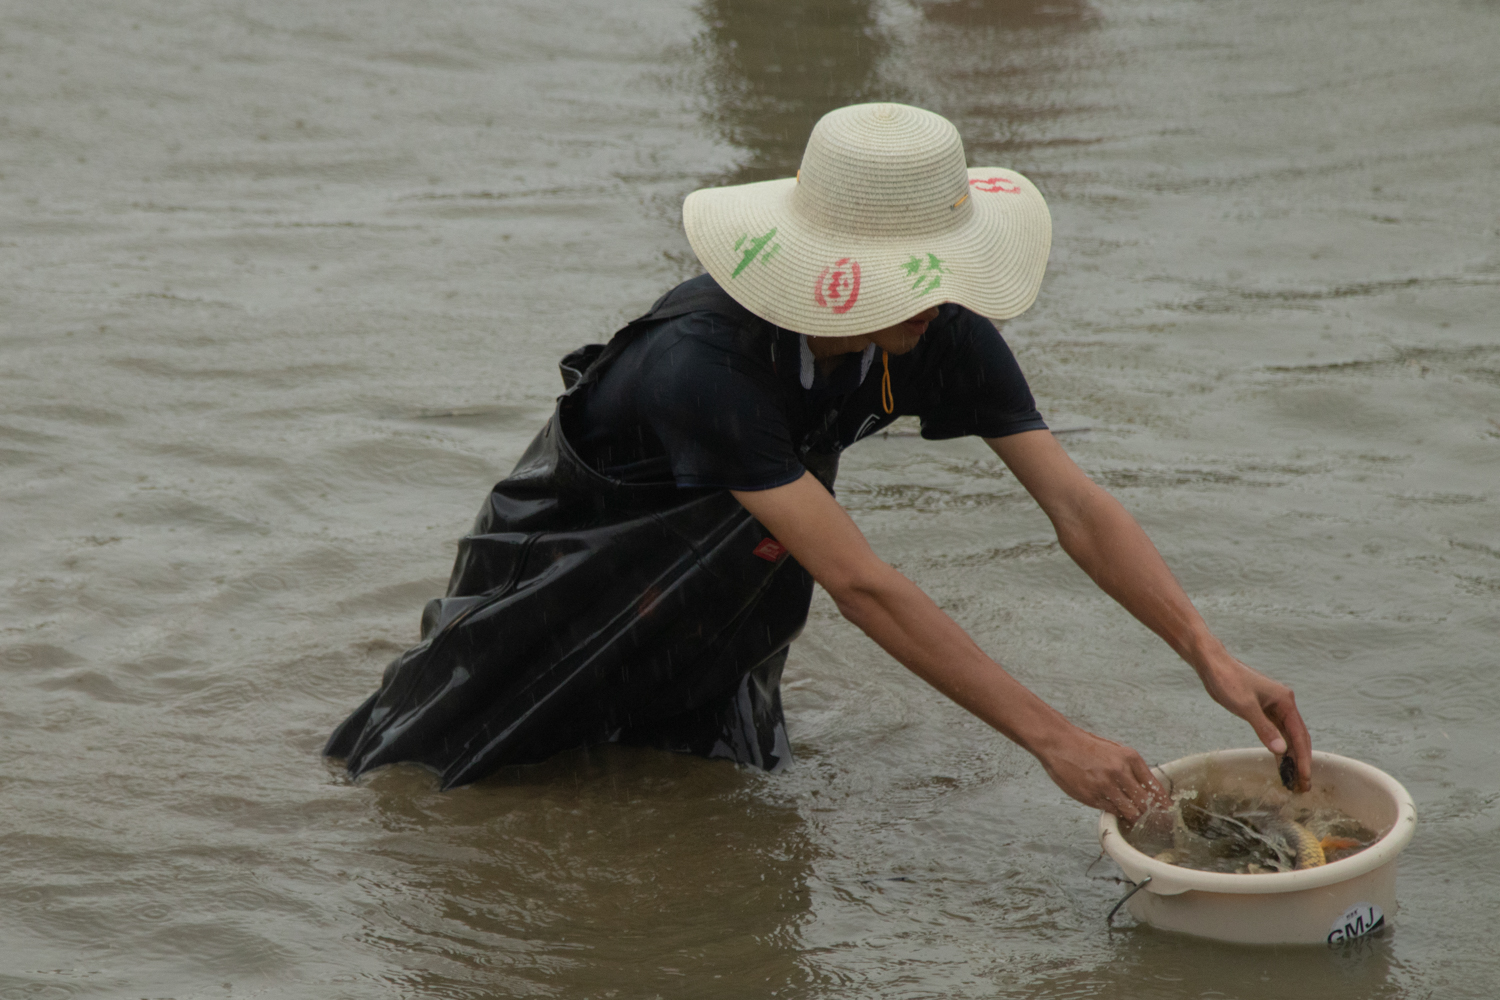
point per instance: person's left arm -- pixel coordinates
(1112, 548)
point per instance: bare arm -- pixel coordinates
(894, 612)
(1101, 536)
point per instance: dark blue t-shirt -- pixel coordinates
(720, 398)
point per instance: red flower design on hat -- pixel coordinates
(837, 287)
(995, 185)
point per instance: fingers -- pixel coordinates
(1121, 804)
(1136, 790)
(1148, 781)
(1103, 774)
(1130, 804)
(1271, 710)
(1126, 786)
(1289, 720)
(1125, 804)
(1266, 730)
(1280, 727)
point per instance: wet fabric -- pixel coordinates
(586, 608)
(717, 397)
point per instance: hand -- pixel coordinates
(1103, 774)
(1269, 707)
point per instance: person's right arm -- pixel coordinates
(893, 611)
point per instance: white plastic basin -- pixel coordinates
(1334, 903)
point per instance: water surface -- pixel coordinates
(284, 288)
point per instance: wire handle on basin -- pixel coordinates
(1110, 920)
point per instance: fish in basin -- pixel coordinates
(1245, 836)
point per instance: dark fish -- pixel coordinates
(1289, 772)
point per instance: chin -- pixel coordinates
(896, 340)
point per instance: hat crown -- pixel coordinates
(883, 171)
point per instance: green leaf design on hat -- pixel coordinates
(753, 249)
(930, 276)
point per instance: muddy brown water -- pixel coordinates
(284, 286)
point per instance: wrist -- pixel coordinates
(1205, 654)
(1044, 732)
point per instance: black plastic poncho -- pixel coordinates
(584, 610)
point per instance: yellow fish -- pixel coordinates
(1255, 831)
(1304, 847)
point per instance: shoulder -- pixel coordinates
(959, 323)
(698, 332)
(700, 296)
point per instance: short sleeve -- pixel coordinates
(972, 383)
(718, 413)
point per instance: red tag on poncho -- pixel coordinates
(770, 549)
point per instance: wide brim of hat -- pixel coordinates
(823, 283)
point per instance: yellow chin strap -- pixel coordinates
(887, 398)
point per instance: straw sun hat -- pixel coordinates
(883, 220)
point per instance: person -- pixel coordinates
(641, 573)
